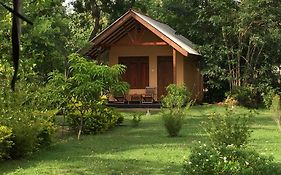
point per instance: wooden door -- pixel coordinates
(164, 74)
(137, 71)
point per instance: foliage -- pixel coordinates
(276, 110)
(173, 122)
(229, 129)
(84, 89)
(228, 160)
(177, 97)
(120, 88)
(103, 12)
(247, 96)
(30, 128)
(173, 112)
(53, 36)
(136, 119)
(99, 120)
(237, 48)
(268, 95)
(5, 141)
(227, 153)
(30, 132)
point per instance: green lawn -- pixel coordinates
(142, 150)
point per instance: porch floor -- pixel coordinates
(135, 105)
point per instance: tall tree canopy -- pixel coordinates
(239, 40)
(104, 12)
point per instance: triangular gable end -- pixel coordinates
(121, 26)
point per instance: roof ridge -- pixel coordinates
(141, 13)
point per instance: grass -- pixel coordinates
(145, 149)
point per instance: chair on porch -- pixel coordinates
(148, 97)
(135, 98)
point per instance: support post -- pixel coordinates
(174, 66)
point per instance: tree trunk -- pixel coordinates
(96, 14)
(80, 127)
(16, 29)
(228, 60)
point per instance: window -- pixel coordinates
(137, 74)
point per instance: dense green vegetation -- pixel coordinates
(145, 149)
(240, 44)
(241, 49)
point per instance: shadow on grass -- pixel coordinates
(142, 150)
(129, 150)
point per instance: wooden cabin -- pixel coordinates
(155, 55)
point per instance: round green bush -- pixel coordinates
(101, 120)
(228, 160)
(247, 96)
(231, 128)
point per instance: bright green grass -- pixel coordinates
(142, 150)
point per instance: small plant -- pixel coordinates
(136, 119)
(276, 110)
(173, 111)
(176, 98)
(173, 122)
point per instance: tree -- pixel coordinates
(240, 48)
(16, 31)
(103, 12)
(86, 83)
(45, 45)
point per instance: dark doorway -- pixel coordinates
(164, 74)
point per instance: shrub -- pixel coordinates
(84, 89)
(228, 160)
(5, 141)
(30, 132)
(229, 129)
(136, 120)
(173, 112)
(177, 97)
(173, 122)
(247, 96)
(101, 119)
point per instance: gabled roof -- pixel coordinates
(126, 23)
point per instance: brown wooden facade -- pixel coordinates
(152, 58)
